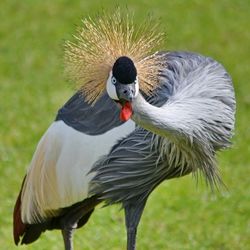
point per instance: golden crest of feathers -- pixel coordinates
(90, 58)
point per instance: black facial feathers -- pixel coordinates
(124, 70)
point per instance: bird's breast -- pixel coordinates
(78, 154)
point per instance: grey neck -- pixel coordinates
(152, 118)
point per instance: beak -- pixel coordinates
(126, 91)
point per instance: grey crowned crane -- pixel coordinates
(138, 119)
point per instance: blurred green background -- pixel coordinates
(179, 215)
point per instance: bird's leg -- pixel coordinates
(133, 212)
(69, 224)
(131, 238)
(78, 213)
(68, 238)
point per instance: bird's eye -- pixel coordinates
(113, 80)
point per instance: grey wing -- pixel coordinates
(94, 119)
(191, 77)
(133, 168)
(200, 92)
(180, 65)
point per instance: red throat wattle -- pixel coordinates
(126, 111)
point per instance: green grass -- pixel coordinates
(32, 87)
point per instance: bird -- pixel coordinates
(139, 116)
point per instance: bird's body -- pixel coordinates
(88, 155)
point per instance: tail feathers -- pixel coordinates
(19, 227)
(28, 233)
(33, 232)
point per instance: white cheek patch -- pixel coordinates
(111, 88)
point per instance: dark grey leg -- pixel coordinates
(131, 238)
(133, 212)
(74, 217)
(68, 238)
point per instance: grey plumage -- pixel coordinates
(196, 95)
(132, 169)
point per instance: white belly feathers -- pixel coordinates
(58, 174)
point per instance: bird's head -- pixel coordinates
(123, 86)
